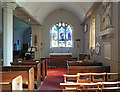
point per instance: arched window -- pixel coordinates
(61, 35)
(92, 32)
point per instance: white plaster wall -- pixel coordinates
(21, 32)
(1, 35)
(36, 30)
(68, 17)
(114, 40)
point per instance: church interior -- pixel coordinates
(59, 46)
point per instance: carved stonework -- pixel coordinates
(107, 29)
(107, 15)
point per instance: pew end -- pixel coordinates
(17, 83)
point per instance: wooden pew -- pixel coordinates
(15, 85)
(87, 69)
(27, 76)
(27, 62)
(51, 61)
(37, 69)
(43, 64)
(75, 63)
(46, 64)
(69, 59)
(54, 62)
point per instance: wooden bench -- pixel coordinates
(75, 63)
(43, 63)
(32, 63)
(51, 61)
(15, 85)
(22, 66)
(37, 71)
(72, 70)
(27, 76)
(58, 61)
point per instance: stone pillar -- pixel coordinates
(8, 32)
(36, 31)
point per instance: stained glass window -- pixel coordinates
(61, 34)
(92, 32)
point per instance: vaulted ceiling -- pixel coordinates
(40, 10)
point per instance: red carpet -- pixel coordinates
(54, 78)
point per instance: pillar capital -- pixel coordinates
(9, 5)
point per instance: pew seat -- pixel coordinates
(33, 62)
(37, 73)
(72, 70)
(15, 84)
(27, 76)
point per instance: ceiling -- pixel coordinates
(40, 10)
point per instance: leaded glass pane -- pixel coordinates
(68, 37)
(61, 37)
(54, 36)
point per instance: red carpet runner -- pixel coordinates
(54, 78)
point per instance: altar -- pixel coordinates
(60, 54)
(59, 59)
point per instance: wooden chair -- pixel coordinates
(100, 77)
(17, 83)
(111, 86)
(70, 86)
(84, 77)
(91, 86)
(112, 76)
(70, 77)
